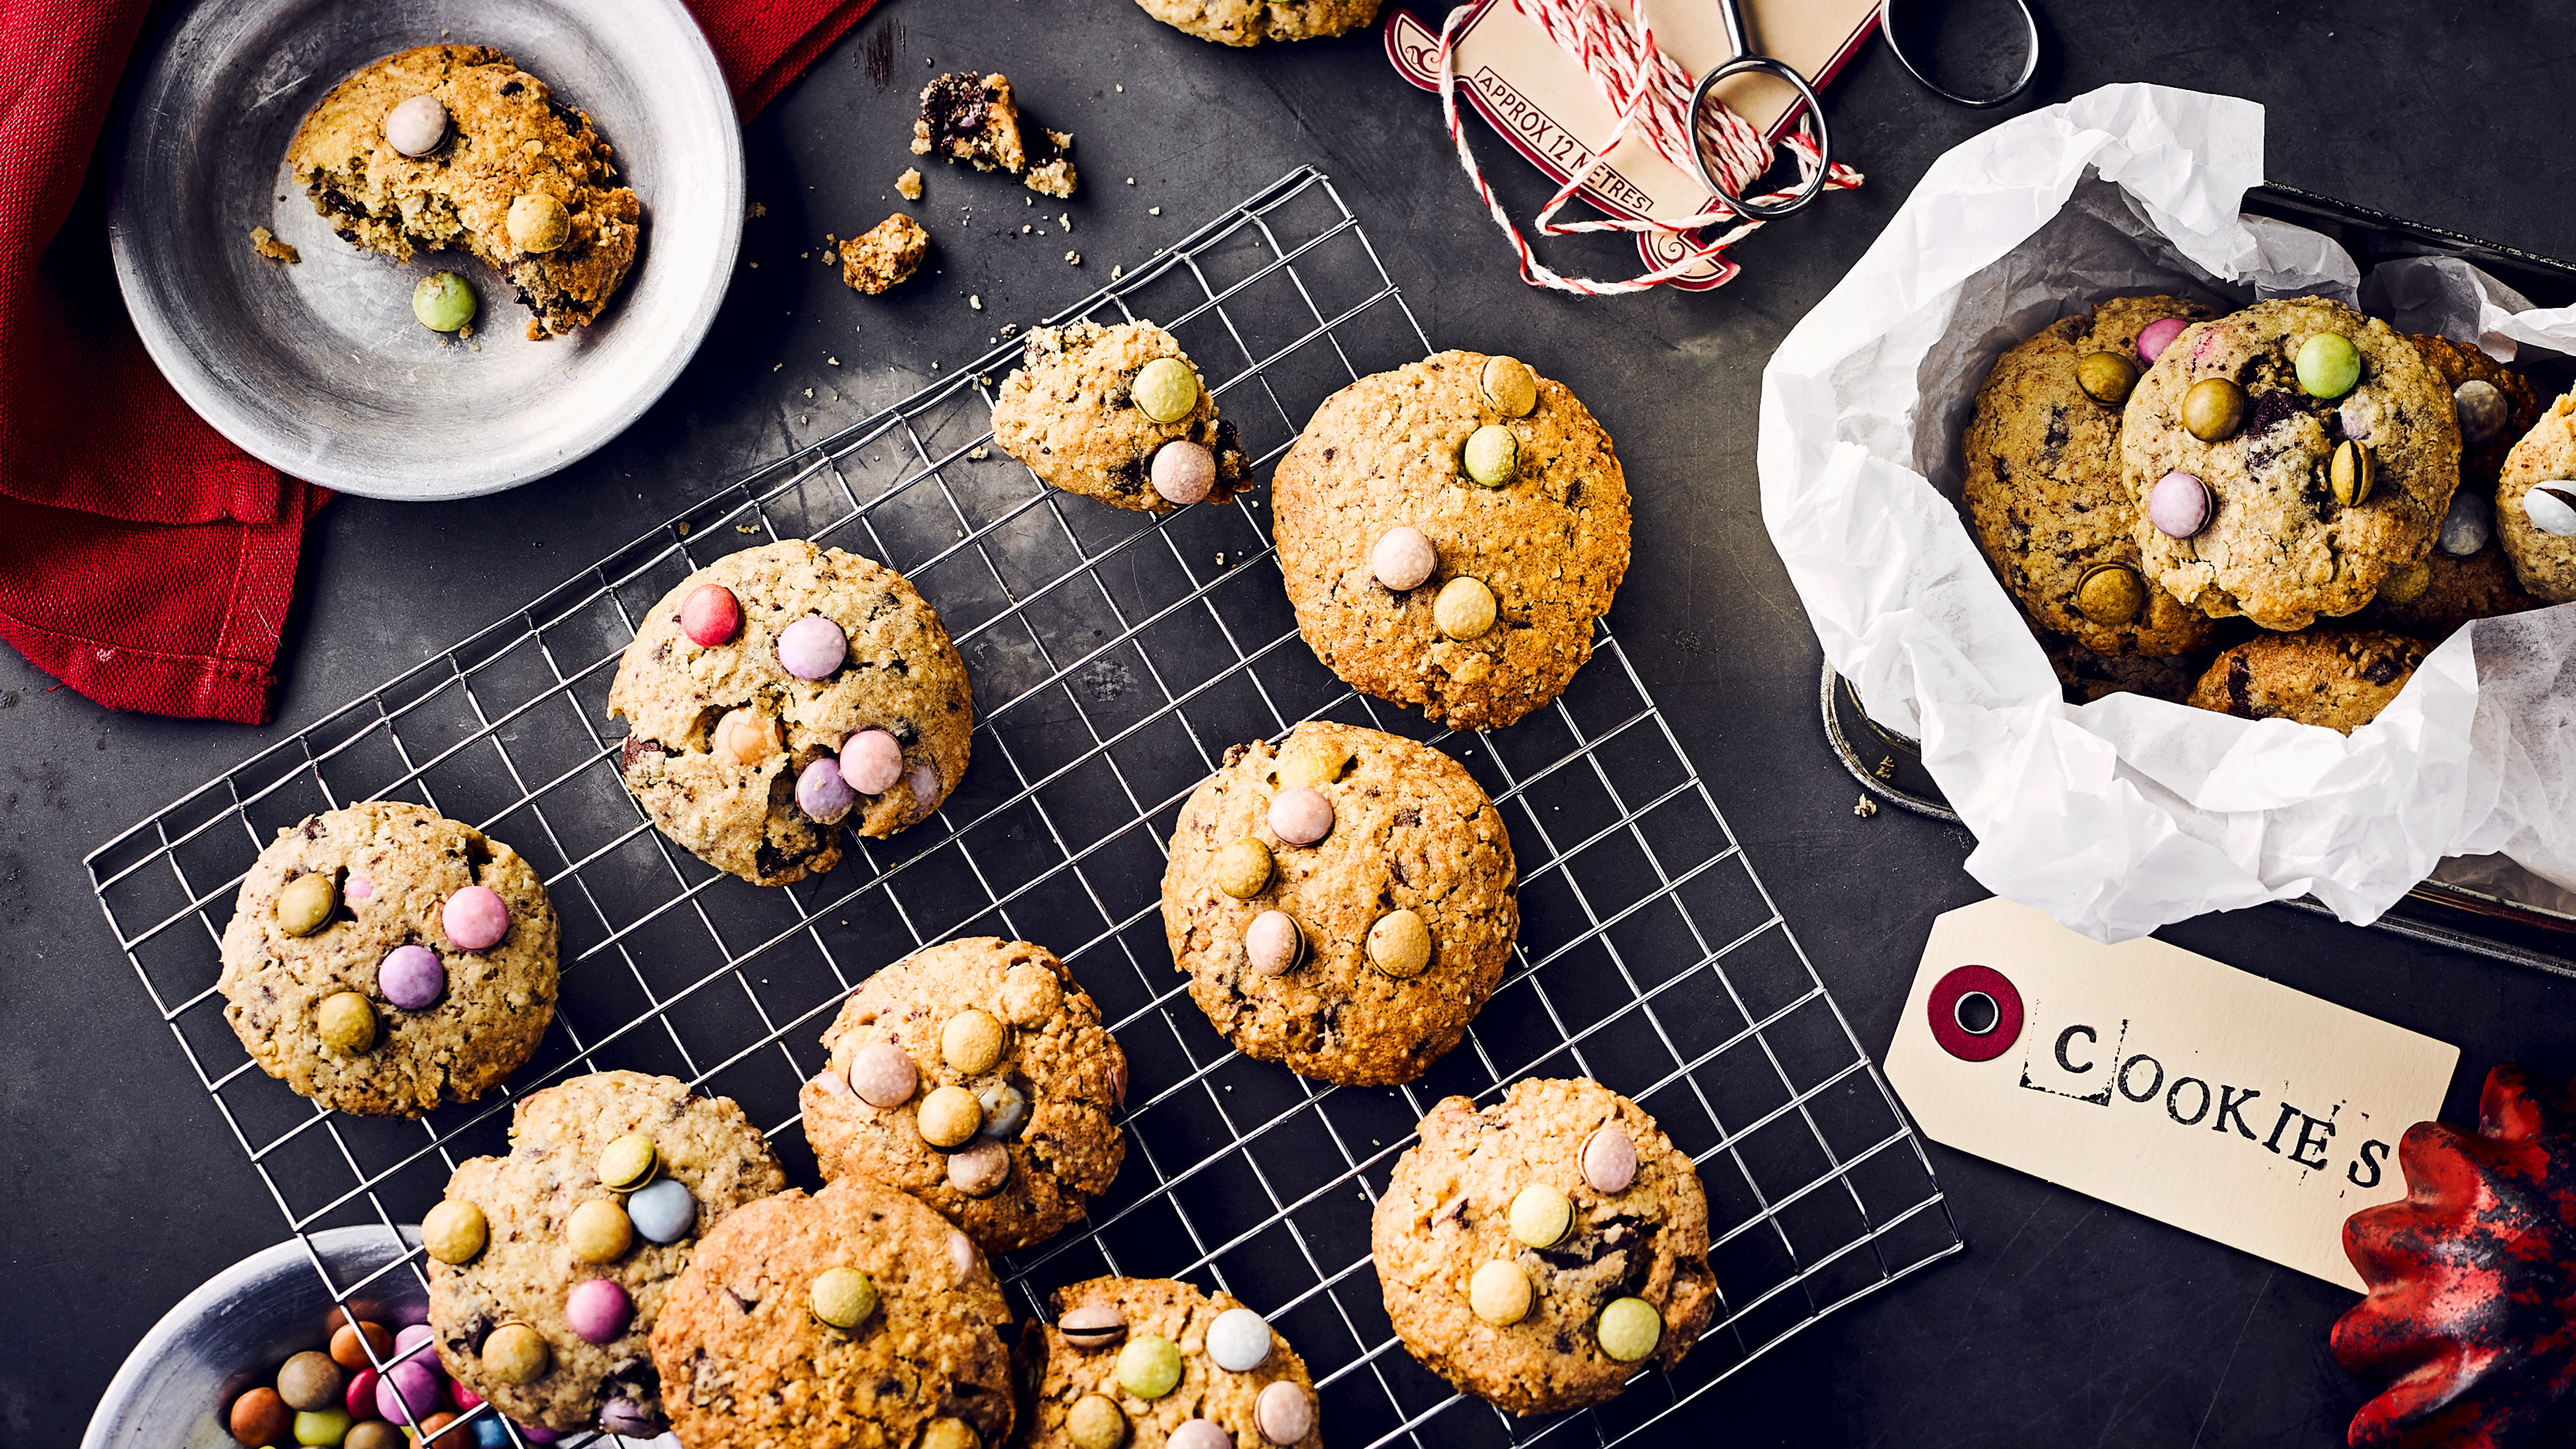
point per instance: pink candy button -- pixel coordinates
(871, 761)
(2156, 336)
(598, 1310)
(883, 1074)
(1301, 815)
(476, 918)
(711, 615)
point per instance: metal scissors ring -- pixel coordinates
(1748, 63)
(2029, 64)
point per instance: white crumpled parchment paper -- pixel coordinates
(2130, 813)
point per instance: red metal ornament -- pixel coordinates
(2472, 1304)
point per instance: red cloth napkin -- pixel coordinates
(144, 560)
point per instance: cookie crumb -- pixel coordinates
(979, 452)
(1065, 220)
(746, 528)
(1866, 808)
(1073, 259)
(265, 242)
(754, 211)
(908, 185)
(1116, 272)
(1886, 767)
(683, 527)
(885, 257)
(1153, 211)
(831, 362)
(976, 302)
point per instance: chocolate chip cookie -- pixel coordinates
(2539, 533)
(855, 1316)
(1120, 414)
(781, 691)
(1148, 1358)
(2044, 490)
(385, 961)
(2327, 447)
(974, 118)
(2489, 424)
(1449, 532)
(2085, 676)
(1544, 1251)
(2435, 597)
(1343, 903)
(1250, 22)
(2338, 678)
(549, 1267)
(976, 1076)
(489, 162)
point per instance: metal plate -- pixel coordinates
(319, 367)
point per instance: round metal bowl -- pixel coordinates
(319, 367)
(237, 1328)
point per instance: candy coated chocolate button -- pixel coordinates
(883, 1074)
(871, 761)
(973, 1040)
(949, 1433)
(416, 126)
(413, 1383)
(1097, 1326)
(1272, 944)
(361, 888)
(309, 1380)
(488, 1433)
(923, 781)
(350, 1342)
(628, 1162)
(304, 905)
(2551, 508)
(599, 1232)
(1301, 815)
(1183, 471)
(711, 615)
(464, 1398)
(1243, 868)
(663, 1210)
(1006, 1111)
(1285, 1412)
(347, 1023)
(822, 794)
(1399, 944)
(1463, 609)
(454, 1232)
(2110, 594)
(1500, 1293)
(2155, 336)
(411, 977)
(2213, 409)
(2482, 410)
(442, 302)
(1239, 1340)
(961, 1255)
(515, 1354)
(2179, 505)
(418, 1335)
(844, 1297)
(1629, 1329)
(360, 1398)
(322, 1426)
(1510, 386)
(747, 737)
(1313, 761)
(2328, 365)
(260, 1418)
(1609, 1160)
(539, 223)
(980, 1170)
(1199, 1434)
(627, 1417)
(476, 918)
(2106, 376)
(812, 647)
(1149, 1366)
(950, 1116)
(1095, 1423)
(2468, 525)
(1541, 1215)
(1403, 558)
(1492, 456)
(1030, 995)
(597, 1310)
(374, 1434)
(1166, 389)
(434, 1426)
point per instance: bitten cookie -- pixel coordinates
(1149, 1362)
(1250, 22)
(855, 1316)
(548, 1267)
(974, 118)
(780, 691)
(976, 1076)
(1544, 1251)
(385, 961)
(1449, 532)
(1120, 414)
(456, 146)
(2536, 505)
(2338, 678)
(2043, 484)
(1343, 904)
(2287, 458)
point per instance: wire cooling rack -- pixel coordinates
(1114, 657)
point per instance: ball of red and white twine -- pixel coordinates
(1650, 94)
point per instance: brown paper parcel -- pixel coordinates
(2164, 1082)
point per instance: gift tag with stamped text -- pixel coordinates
(2161, 1081)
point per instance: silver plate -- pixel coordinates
(319, 367)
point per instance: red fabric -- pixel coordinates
(144, 560)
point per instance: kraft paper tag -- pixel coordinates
(2162, 1081)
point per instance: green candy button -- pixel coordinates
(442, 302)
(2329, 365)
(1630, 1328)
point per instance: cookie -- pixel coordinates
(1544, 1251)
(1145, 1356)
(2545, 459)
(515, 177)
(2488, 425)
(727, 744)
(915, 1358)
(2435, 597)
(975, 118)
(342, 931)
(548, 1227)
(885, 255)
(1359, 957)
(2045, 494)
(1005, 1023)
(2275, 542)
(2085, 676)
(2338, 678)
(1417, 581)
(1073, 413)
(1250, 22)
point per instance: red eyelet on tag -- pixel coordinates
(1976, 1013)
